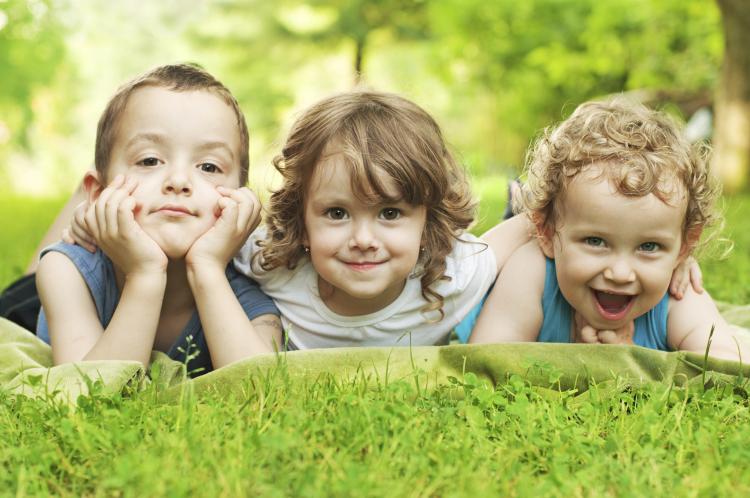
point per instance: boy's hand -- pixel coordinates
(239, 215)
(687, 272)
(111, 222)
(77, 233)
(585, 333)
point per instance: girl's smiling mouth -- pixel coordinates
(613, 306)
(364, 265)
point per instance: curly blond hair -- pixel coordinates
(378, 132)
(641, 151)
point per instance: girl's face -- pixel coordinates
(363, 253)
(614, 254)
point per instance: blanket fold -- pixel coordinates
(26, 367)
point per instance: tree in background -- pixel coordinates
(32, 58)
(732, 136)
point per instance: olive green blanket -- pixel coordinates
(26, 366)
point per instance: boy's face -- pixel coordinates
(614, 254)
(179, 146)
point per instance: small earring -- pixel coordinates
(421, 249)
(306, 249)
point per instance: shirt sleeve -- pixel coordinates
(472, 269)
(252, 299)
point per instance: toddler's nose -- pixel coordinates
(620, 271)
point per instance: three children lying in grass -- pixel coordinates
(365, 241)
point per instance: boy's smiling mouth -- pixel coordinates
(613, 306)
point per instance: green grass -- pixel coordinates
(327, 437)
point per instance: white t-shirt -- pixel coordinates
(309, 323)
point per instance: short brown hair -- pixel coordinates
(174, 77)
(375, 130)
(637, 147)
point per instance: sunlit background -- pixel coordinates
(493, 72)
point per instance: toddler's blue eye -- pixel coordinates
(336, 213)
(650, 247)
(208, 167)
(149, 161)
(594, 241)
(390, 213)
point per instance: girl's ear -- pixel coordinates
(93, 185)
(692, 236)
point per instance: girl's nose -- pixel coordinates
(620, 271)
(177, 181)
(363, 236)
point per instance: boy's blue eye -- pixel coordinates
(149, 161)
(336, 213)
(390, 213)
(594, 241)
(208, 167)
(650, 247)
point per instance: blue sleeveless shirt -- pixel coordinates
(99, 274)
(650, 328)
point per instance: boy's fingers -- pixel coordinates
(125, 212)
(112, 211)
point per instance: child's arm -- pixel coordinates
(506, 237)
(230, 335)
(75, 331)
(513, 310)
(689, 324)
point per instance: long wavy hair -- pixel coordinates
(377, 132)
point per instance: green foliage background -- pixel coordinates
(494, 72)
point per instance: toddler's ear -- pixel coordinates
(93, 185)
(544, 234)
(692, 236)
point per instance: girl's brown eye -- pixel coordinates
(336, 213)
(390, 213)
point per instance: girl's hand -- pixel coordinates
(687, 272)
(585, 333)
(111, 222)
(77, 233)
(239, 215)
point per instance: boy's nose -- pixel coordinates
(177, 181)
(620, 271)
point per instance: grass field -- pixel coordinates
(333, 438)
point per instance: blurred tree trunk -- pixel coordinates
(732, 134)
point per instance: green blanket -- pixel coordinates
(26, 366)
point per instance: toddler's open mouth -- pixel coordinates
(613, 306)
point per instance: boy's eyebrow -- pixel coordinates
(158, 138)
(146, 137)
(217, 144)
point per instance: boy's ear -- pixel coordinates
(692, 236)
(93, 185)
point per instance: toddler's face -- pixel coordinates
(362, 253)
(614, 254)
(179, 146)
